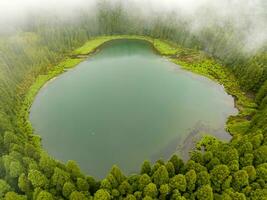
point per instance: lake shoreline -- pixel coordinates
(174, 53)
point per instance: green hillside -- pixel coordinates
(36, 53)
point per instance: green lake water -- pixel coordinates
(123, 105)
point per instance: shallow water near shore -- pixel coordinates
(123, 105)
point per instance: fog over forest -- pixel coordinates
(248, 20)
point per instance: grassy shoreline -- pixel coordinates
(188, 59)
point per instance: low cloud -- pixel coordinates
(248, 18)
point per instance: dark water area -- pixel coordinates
(123, 105)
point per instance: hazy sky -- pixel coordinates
(248, 16)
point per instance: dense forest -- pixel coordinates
(216, 170)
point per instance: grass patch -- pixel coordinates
(164, 47)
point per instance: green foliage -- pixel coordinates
(203, 178)
(178, 182)
(93, 185)
(37, 179)
(260, 155)
(147, 198)
(24, 183)
(47, 164)
(151, 190)
(217, 170)
(259, 194)
(146, 167)
(73, 169)
(247, 159)
(240, 179)
(125, 188)
(191, 178)
(15, 169)
(117, 174)
(102, 195)
(68, 188)
(219, 174)
(261, 93)
(261, 172)
(251, 173)
(130, 197)
(77, 196)
(4, 188)
(143, 181)
(205, 193)
(14, 196)
(177, 163)
(59, 178)
(170, 169)
(82, 184)
(165, 48)
(44, 195)
(161, 176)
(164, 190)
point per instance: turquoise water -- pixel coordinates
(123, 105)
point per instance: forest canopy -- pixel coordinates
(34, 39)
